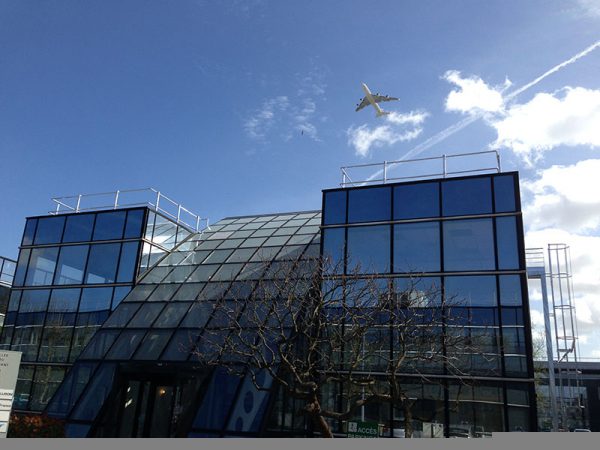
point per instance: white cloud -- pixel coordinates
(569, 117)
(262, 120)
(397, 128)
(473, 94)
(590, 8)
(564, 197)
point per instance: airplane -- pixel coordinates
(370, 99)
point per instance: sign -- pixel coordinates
(9, 370)
(363, 430)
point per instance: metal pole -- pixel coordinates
(549, 355)
(78, 203)
(384, 171)
(157, 199)
(444, 159)
(116, 200)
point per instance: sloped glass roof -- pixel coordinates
(163, 317)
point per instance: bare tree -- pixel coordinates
(308, 331)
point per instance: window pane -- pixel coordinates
(45, 383)
(121, 315)
(417, 247)
(79, 228)
(135, 219)
(504, 193)
(109, 225)
(64, 300)
(369, 249)
(510, 290)
(153, 345)
(425, 291)
(181, 344)
(34, 300)
(413, 201)
(100, 344)
(120, 293)
(471, 291)
(369, 205)
(171, 315)
(468, 245)
(127, 262)
(41, 266)
(95, 299)
(508, 250)
(334, 209)
(333, 249)
(71, 264)
(469, 196)
(146, 315)
(126, 344)
(49, 230)
(29, 231)
(102, 265)
(21, 267)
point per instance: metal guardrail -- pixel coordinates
(384, 168)
(7, 270)
(128, 198)
(535, 257)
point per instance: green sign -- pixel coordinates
(363, 430)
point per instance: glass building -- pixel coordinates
(7, 273)
(110, 307)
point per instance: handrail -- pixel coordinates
(119, 199)
(385, 167)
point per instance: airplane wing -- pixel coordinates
(383, 98)
(362, 104)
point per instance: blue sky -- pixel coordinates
(240, 107)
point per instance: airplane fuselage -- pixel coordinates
(372, 100)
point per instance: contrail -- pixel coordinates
(455, 128)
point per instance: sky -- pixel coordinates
(242, 107)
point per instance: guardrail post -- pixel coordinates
(498, 160)
(57, 206)
(197, 223)
(343, 178)
(178, 213)
(157, 199)
(116, 199)
(444, 159)
(78, 203)
(384, 172)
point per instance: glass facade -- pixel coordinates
(464, 236)
(72, 271)
(110, 308)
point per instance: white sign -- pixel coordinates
(9, 370)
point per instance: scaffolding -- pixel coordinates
(560, 327)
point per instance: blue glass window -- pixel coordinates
(79, 228)
(97, 390)
(64, 300)
(126, 344)
(120, 293)
(21, 267)
(508, 249)
(417, 247)
(153, 344)
(334, 209)
(471, 291)
(70, 389)
(425, 291)
(102, 264)
(127, 262)
(412, 201)
(217, 400)
(34, 300)
(369, 249)
(146, 315)
(135, 219)
(468, 196)
(109, 225)
(504, 193)
(512, 315)
(510, 290)
(49, 230)
(29, 232)
(95, 299)
(41, 266)
(71, 264)
(180, 346)
(469, 245)
(369, 204)
(333, 249)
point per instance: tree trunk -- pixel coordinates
(314, 411)
(408, 419)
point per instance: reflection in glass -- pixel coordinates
(79, 228)
(467, 196)
(413, 201)
(102, 264)
(471, 290)
(468, 245)
(369, 204)
(504, 193)
(334, 208)
(417, 247)
(71, 264)
(109, 225)
(508, 249)
(41, 266)
(49, 230)
(369, 249)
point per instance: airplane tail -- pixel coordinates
(382, 113)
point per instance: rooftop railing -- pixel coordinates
(130, 198)
(436, 167)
